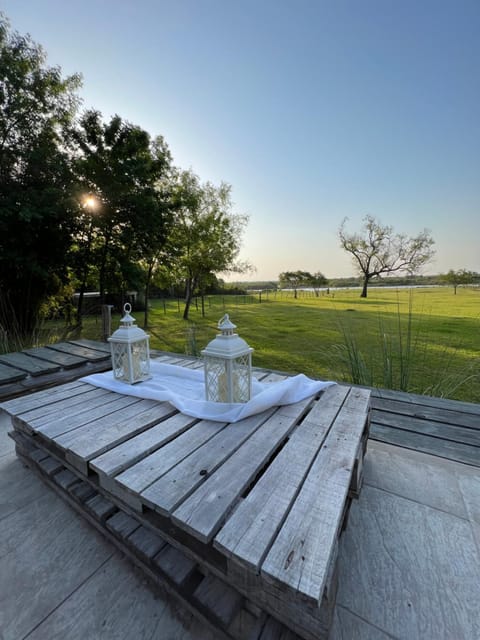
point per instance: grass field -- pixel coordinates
(420, 340)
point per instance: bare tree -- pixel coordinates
(378, 251)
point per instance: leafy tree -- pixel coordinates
(127, 172)
(205, 237)
(36, 215)
(317, 281)
(455, 278)
(378, 251)
(295, 280)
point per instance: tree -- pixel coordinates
(206, 235)
(297, 279)
(36, 214)
(455, 278)
(378, 251)
(317, 281)
(127, 172)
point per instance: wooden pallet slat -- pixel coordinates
(467, 454)
(166, 493)
(19, 406)
(24, 362)
(218, 599)
(124, 455)
(92, 344)
(300, 557)
(65, 360)
(249, 532)
(88, 354)
(10, 374)
(202, 513)
(138, 477)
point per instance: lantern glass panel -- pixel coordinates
(241, 378)
(228, 380)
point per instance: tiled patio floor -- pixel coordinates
(409, 560)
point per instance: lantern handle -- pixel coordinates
(127, 307)
(226, 323)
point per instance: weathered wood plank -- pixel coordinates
(427, 401)
(146, 542)
(92, 344)
(428, 427)
(174, 564)
(203, 512)
(218, 599)
(441, 415)
(96, 437)
(66, 479)
(24, 362)
(300, 557)
(50, 465)
(50, 355)
(32, 384)
(100, 507)
(78, 398)
(274, 630)
(122, 524)
(459, 452)
(10, 374)
(250, 531)
(88, 354)
(138, 477)
(100, 406)
(21, 405)
(171, 489)
(125, 455)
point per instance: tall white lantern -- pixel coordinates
(130, 350)
(228, 366)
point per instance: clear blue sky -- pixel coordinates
(311, 110)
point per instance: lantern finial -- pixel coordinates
(226, 326)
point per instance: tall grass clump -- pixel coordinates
(400, 356)
(12, 338)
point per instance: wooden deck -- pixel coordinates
(244, 505)
(409, 561)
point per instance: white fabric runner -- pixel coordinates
(185, 389)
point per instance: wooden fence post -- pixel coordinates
(106, 321)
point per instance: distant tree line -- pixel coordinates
(461, 277)
(89, 205)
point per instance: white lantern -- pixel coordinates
(228, 366)
(130, 350)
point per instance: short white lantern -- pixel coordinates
(130, 350)
(228, 366)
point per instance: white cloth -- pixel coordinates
(185, 390)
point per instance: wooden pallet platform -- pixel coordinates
(445, 428)
(43, 367)
(219, 607)
(259, 505)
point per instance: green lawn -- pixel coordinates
(423, 340)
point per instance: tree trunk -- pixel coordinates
(365, 287)
(188, 297)
(147, 294)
